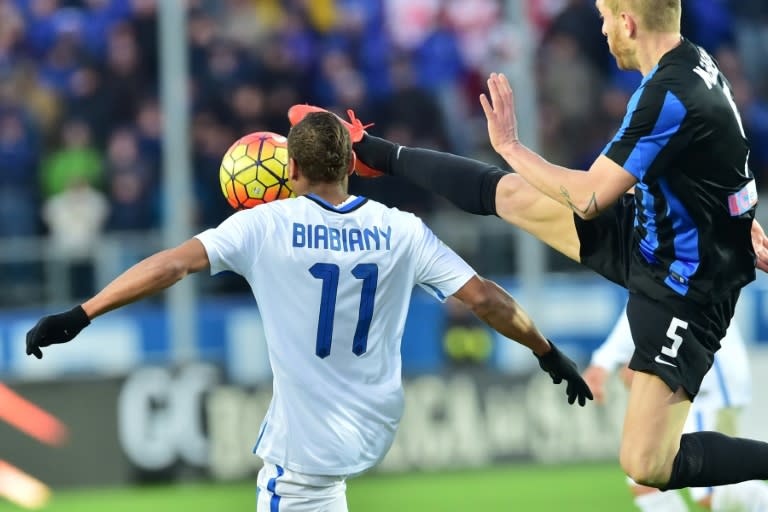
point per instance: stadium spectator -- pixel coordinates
(712, 25)
(247, 103)
(41, 32)
(149, 131)
(754, 112)
(578, 21)
(124, 76)
(98, 19)
(751, 30)
(211, 138)
(18, 183)
(60, 63)
(77, 160)
(246, 22)
(89, 100)
(144, 25)
(11, 34)
(132, 185)
(75, 217)
(412, 65)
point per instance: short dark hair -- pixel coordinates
(321, 146)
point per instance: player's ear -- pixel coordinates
(352, 163)
(293, 170)
(629, 24)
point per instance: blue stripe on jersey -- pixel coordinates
(721, 382)
(261, 434)
(686, 242)
(274, 503)
(649, 75)
(437, 291)
(650, 242)
(344, 209)
(646, 150)
(631, 107)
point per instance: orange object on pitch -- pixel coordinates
(22, 489)
(30, 419)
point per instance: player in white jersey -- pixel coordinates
(725, 390)
(332, 275)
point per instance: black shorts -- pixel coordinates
(675, 345)
(606, 241)
(675, 338)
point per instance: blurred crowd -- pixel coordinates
(80, 122)
(583, 96)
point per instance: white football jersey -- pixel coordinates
(726, 384)
(333, 285)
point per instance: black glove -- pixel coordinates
(561, 368)
(59, 328)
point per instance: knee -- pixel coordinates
(645, 467)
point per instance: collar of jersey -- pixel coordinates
(683, 42)
(348, 207)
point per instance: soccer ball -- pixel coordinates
(254, 170)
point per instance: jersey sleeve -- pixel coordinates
(236, 243)
(617, 348)
(651, 133)
(439, 270)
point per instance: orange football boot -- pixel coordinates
(356, 131)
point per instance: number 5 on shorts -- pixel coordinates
(672, 334)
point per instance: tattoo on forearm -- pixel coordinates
(592, 206)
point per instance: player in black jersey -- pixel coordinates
(684, 244)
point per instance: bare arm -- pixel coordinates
(494, 306)
(586, 193)
(497, 308)
(148, 277)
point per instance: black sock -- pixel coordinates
(468, 184)
(709, 458)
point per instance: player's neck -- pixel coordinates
(651, 52)
(333, 193)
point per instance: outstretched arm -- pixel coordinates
(586, 193)
(147, 277)
(492, 304)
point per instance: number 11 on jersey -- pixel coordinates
(328, 273)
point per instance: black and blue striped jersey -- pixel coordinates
(683, 140)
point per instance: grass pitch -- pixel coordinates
(576, 488)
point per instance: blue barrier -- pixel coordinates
(577, 311)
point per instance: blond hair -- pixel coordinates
(655, 15)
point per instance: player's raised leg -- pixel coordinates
(653, 453)
(520, 204)
(674, 349)
(471, 185)
(477, 188)
(652, 428)
(749, 496)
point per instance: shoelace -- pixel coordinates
(356, 123)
